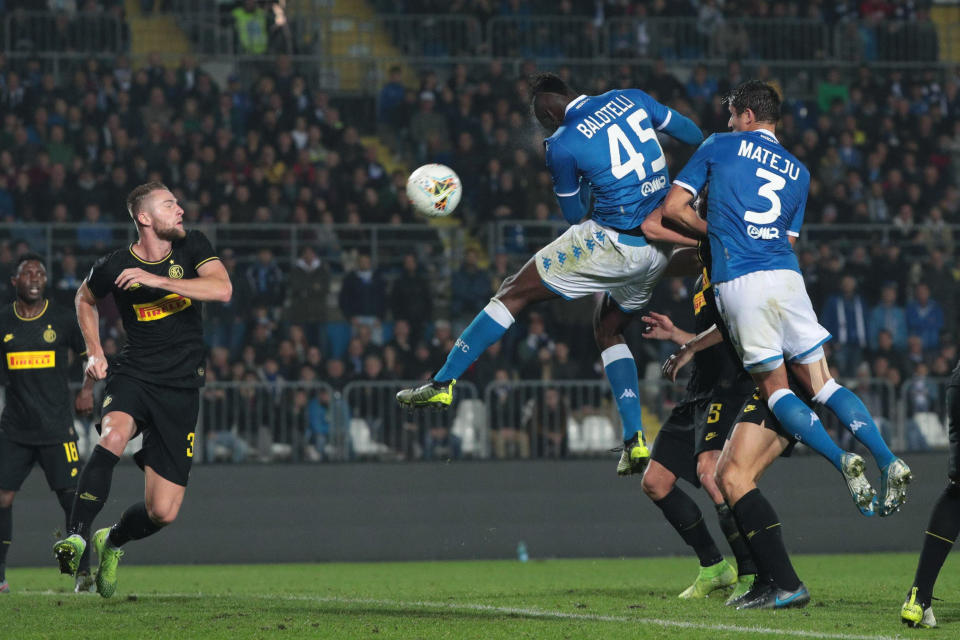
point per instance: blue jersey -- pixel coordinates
(610, 142)
(758, 192)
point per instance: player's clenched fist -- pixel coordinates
(96, 367)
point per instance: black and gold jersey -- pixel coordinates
(717, 369)
(36, 363)
(164, 330)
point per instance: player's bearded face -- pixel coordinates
(169, 230)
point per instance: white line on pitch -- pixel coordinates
(513, 611)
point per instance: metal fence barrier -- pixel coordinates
(311, 422)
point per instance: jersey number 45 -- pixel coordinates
(635, 160)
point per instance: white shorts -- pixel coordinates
(589, 258)
(769, 317)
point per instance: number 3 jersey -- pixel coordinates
(757, 197)
(610, 141)
(164, 330)
(36, 367)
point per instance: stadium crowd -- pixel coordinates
(884, 153)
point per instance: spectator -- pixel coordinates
(845, 317)
(925, 317)
(410, 297)
(545, 419)
(250, 22)
(363, 294)
(469, 290)
(307, 291)
(890, 317)
(266, 281)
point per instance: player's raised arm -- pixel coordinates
(212, 283)
(653, 228)
(670, 121)
(89, 320)
(678, 205)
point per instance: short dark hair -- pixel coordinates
(27, 257)
(760, 97)
(136, 197)
(549, 83)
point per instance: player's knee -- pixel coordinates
(727, 476)
(162, 514)
(655, 485)
(6, 499)
(114, 441)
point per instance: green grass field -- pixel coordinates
(854, 596)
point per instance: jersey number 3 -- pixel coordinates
(617, 138)
(767, 190)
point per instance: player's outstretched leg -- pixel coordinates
(685, 517)
(84, 581)
(92, 491)
(797, 418)
(621, 369)
(895, 475)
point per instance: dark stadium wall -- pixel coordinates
(467, 510)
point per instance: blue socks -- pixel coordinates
(851, 411)
(621, 371)
(800, 421)
(488, 327)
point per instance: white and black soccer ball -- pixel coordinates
(434, 190)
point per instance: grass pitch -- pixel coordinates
(854, 597)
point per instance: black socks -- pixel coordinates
(728, 524)
(92, 490)
(684, 515)
(134, 524)
(762, 526)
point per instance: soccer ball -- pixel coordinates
(434, 190)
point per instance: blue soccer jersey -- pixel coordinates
(757, 196)
(610, 143)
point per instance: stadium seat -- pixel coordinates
(363, 445)
(470, 426)
(598, 433)
(575, 442)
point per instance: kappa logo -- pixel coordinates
(627, 393)
(158, 309)
(856, 425)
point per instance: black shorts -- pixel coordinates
(167, 417)
(691, 429)
(953, 425)
(756, 411)
(60, 463)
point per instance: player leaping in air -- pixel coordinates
(606, 145)
(755, 207)
(153, 386)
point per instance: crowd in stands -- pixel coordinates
(883, 150)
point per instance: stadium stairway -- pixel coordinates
(947, 19)
(158, 32)
(352, 35)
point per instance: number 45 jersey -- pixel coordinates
(610, 141)
(757, 197)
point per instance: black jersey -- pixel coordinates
(717, 369)
(35, 364)
(164, 330)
